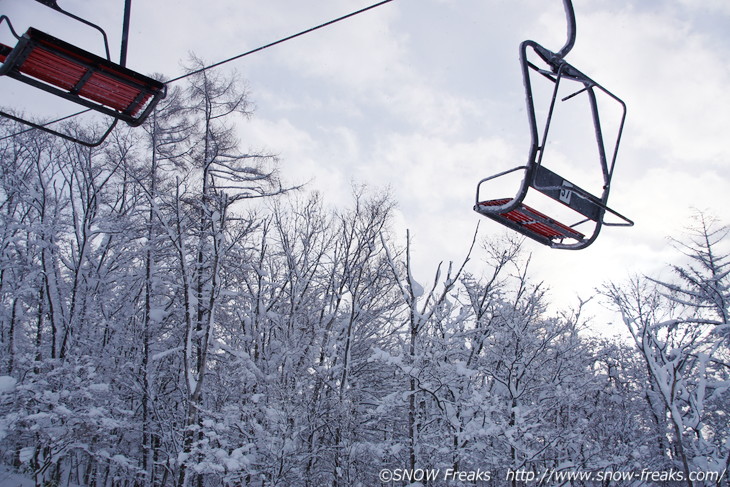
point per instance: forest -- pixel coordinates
(172, 313)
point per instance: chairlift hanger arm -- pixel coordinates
(556, 58)
(570, 17)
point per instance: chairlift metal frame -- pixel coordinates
(512, 212)
(55, 66)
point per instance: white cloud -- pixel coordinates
(670, 74)
(426, 97)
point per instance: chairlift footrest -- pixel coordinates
(529, 222)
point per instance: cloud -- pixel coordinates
(671, 75)
(427, 98)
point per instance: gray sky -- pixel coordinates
(426, 96)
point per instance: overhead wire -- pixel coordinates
(234, 58)
(282, 40)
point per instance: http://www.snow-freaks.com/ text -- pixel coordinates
(545, 477)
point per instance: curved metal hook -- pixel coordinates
(570, 17)
(4, 18)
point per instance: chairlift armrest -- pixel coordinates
(495, 176)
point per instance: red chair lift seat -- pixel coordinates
(529, 221)
(58, 67)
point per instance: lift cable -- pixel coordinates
(238, 56)
(280, 41)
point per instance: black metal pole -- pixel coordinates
(125, 32)
(570, 17)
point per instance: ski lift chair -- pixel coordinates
(55, 66)
(591, 210)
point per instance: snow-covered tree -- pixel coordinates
(680, 327)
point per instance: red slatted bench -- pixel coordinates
(531, 222)
(56, 66)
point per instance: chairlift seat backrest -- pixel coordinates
(567, 193)
(56, 66)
